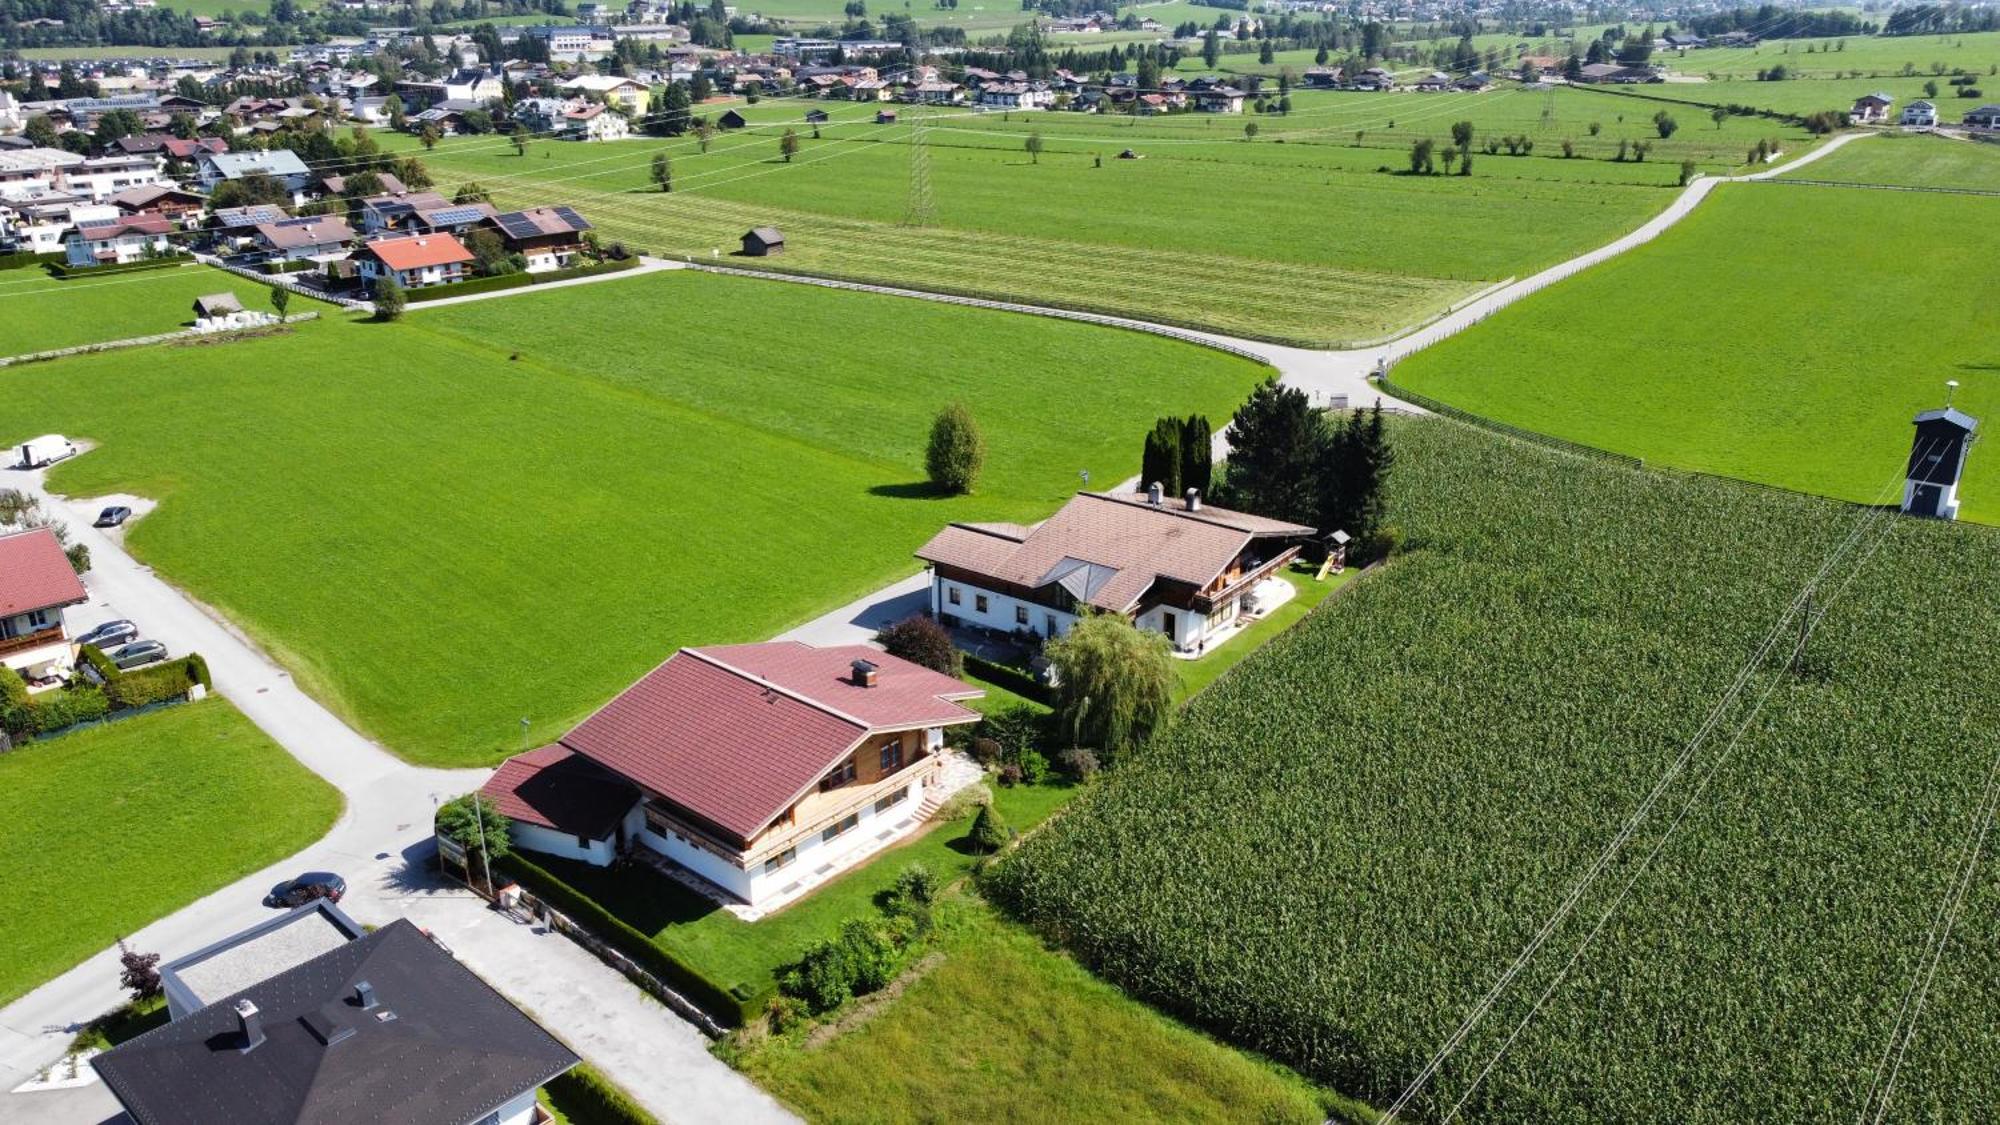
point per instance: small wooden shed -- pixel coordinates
(816, 117)
(763, 242)
(730, 119)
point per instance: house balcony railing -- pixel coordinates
(50, 636)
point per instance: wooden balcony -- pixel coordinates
(49, 636)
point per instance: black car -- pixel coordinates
(137, 654)
(113, 516)
(307, 887)
(110, 634)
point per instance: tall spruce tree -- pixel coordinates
(1197, 453)
(1276, 441)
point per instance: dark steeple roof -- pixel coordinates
(1955, 416)
(437, 1045)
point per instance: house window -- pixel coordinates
(1049, 624)
(841, 775)
(979, 602)
(892, 756)
(892, 800)
(1020, 615)
(951, 594)
(847, 822)
(38, 619)
(780, 861)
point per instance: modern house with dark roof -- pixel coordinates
(36, 584)
(761, 768)
(385, 1028)
(547, 238)
(1177, 567)
(278, 943)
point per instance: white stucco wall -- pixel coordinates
(999, 609)
(536, 838)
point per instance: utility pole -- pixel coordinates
(479, 818)
(1805, 632)
(919, 211)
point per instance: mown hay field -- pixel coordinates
(1338, 849)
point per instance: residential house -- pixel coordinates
(103, 242)
(595, 123)
(457, 219)
(31, 169)
(315, 238)
(383, 1025)
(164, 200)
(1474, 83)
(1870, 108)
(1919, 114)
(549, 238)
(936, 93)
(761, 768)
(236, 227)
(1176, 567)
(36, 584)
(1016, 95)
(1985, 117)
(1434, 82)
(1322, 78)
(392, 211)
(39, 222)
(213, 169)
(337, 185)
(1217, 99)
(414, 260)
(1617, 74)
(625, 93)
(1374, 78)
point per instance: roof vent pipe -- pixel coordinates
(1194, 499)
(1154, 493)
(250, 1022)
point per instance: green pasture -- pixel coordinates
(105, 830)
(1914, 160)
(1811, 95)
(1875, 55)
(533, 499)
(133, 52)
(40, 313)
(1781, 333)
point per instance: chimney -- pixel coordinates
(252, 1024)
(865, 672)
(364, 995)
(1154, 494)
(1194, 499)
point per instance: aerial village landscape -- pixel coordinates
(1252, 560)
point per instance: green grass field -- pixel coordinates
(1003, 1029)
(1915, 160)
(108, 829)
(1875, 55)
(138, 52)
(40, 313)
(1320, 245)
(731, 951)
(1782, 333)
(439, 538)
(1198, 674)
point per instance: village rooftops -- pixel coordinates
(296, 234)
(335, 185)
(257, 214)
(415, 252)
(558, 789)
(736, 733)
(35, 574)
(1107, 549)
(280, 162)
(540, 222)
(387, 1028)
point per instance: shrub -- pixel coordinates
(1078, 763)
(78, 555)
(146, 686)
(962, 802)
(93, 657)
(586, 1097)
(956, 450)
(472, 818)
(389, 300)
(787, 1012)
(1034, 766)
(139, 973)
(915, 884)
(989, 832)
(1010, 775)
(823, 979)
(921, 640)
(873, 956)
(985, 751)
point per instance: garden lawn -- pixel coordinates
(1913, 160)
(439, 539)
(731, 952)
(107, 829)
(1198, 674)
(40, 313)
(1774, 335)
(1003, 1029)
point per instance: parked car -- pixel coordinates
(137, 655)
(307, 887)
(110, 634)
(114, 516)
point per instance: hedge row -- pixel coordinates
(120, 691)
(515, 280)
(21, 259)
(1013, 679)
(586, 1097)
(49, 712)
(62, 270)
(294, 266)
(732, 1007)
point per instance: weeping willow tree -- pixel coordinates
(1115, 685)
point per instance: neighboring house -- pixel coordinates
(1434, 82)
(237, 226)
(763, 242)
(385, 1027)
(1871, 108)
(415, 261)
(730, 119)
(1217, 99)
(284, 941)
(1374, 78)
(103, 242)
(213, 169)
(393, 211)
(1919, 114)
(550, 238)
(761, 768)
(164, 200)
(39, 223)
(594, 122)
(1015, 95)
(452, 218)
(36, 584)
(625, 93)
(1176, 567)
(313, 238)
(1985, 117)
(336, 185)
(106, 176)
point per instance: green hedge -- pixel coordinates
(726, 1006)
(586, 1097)
(21, 259)
(591, 270)
(1006, 676)
(50, 711)
(157, 684)
(62, 270)
(121, 691)
(461, 288)
(295, 266)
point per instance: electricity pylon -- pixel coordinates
(919, 211)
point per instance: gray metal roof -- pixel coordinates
(1950, 414)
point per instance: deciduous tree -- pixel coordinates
(1114, 683)
(956, 450)
(921, 640)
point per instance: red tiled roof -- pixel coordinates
(35, 574)
(555, 787)
(414, 253)
(734, 734)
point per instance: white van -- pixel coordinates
(46, 450)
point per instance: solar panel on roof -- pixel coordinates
(518, 225)
(569, 216)
(452, 215)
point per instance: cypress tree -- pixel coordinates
(1197, 453)
(1161, 463)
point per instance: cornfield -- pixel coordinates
(1337, 850)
